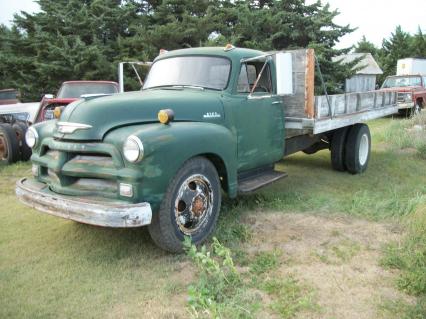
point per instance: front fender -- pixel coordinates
(167, 147)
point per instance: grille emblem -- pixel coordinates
(69, 128)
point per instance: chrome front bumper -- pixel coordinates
(405, 105)
(103, 212)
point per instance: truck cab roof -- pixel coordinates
(233, 54)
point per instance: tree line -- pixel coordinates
(85, 39)
(400, 45)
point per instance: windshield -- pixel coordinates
(402, 81)
(199, 71)
(8, 95)
(75, 90)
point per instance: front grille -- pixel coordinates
(404, 97)
(89, 169)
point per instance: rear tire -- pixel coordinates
(9, 147)
(358, 148)
(338, 143)
(190, 206)
(24, 148)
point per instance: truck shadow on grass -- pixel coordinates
(110, 244)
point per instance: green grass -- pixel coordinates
(291, 297)
(398, 309)
(337, 253)
(408, 133)
(221, 291)
(52, 268)
(265, 261)
(409, 256)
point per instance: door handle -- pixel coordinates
(276, 102)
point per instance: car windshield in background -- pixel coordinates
(199, 71)
(75, 90)
(402, 81)
(8, 95)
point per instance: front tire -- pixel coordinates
(416, 109)
(358, 148)
(190, 206)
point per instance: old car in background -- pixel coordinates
(14, 121)
(411, 92)
(15, 117)
(9, 96)
(69, 92)
(410, 81)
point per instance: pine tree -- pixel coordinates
(85, 39)
(418, 44)
(289, 24)
(365, 46)
(397, 47)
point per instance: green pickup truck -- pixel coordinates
(207, 120)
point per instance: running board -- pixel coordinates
(256, 181)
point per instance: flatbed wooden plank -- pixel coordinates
(310, 84)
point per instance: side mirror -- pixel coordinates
(48, 96)
(284, 72)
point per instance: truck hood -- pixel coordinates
(402, 89)
(102, 114)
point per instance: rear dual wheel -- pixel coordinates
(350, 149)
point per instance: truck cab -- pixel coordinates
(411, 95)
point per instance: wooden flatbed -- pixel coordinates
(310, 114)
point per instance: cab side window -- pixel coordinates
(248, 75)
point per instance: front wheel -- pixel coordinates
(417, 108)
(190, 206)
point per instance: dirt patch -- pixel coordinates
(337, 256)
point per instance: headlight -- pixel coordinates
(408, 97)
(31, 137)
(133, 149)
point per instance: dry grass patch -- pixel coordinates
(337, 256)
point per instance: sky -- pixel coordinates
(376, 19)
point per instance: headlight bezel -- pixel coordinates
(140, 149)
(35, 137)
(408, 97)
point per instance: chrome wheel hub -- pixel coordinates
(193, 204)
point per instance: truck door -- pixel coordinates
(258, 117)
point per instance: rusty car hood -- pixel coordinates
(402, 89)
(103, 114)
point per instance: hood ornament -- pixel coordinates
(69, 128)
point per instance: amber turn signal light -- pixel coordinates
(166, 116)
(57, 112)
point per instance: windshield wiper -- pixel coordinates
(169, 86)
(189, 87)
